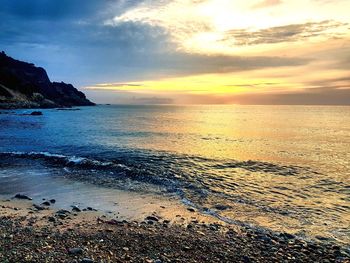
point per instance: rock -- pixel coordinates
(221, 207)
(24, 197)
(47, 203)
(86, 260)
(152, 218)
(113, 222)
(62, 211)
(75, 251)
(191, 209)
(52, 219)
(36, 113)
(186, 248)
(287, 236)
(62, 214)
(23, 85)
(75, 208)
(246, 259)
(52, 201)
(38, 207)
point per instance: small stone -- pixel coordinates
(191, 209)
(152, 218)
(86, 260)
(52, 201)
(20, 196)
(246, 259)
(287, 236)
(221, 207)
(186, 248)
(62, 211)
(52, 219)
(38, 207)
(75, 251)
(47, 203)
(75, 208)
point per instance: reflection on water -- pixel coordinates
(284, 167)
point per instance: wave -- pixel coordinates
(63, 159)
(193, 173)
(99, 171)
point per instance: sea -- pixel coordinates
(283, 168)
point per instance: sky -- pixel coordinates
(187, 51)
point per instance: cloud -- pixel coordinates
(316, 96)
(333, 83)
(254, 85)
(126, 42)
(50, 10)
(112, 85)
(280, 34)
(150, 100)
(266, 3)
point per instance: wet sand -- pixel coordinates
(44, 234)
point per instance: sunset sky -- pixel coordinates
(182, 51)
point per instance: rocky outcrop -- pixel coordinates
(23, 85)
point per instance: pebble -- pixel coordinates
(186, 248)
(152, 218)
(75, 251)
(24, 197)
(86, 260)
(75, 208)
(38, 207)
(52, 219)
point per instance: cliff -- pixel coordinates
(23, 85)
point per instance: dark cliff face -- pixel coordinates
(23, 85)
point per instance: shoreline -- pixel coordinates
(30, 234)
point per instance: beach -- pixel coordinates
(42, 234)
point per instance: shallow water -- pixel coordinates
(281, 167)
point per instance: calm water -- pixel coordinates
(281, 167)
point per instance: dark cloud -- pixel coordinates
(50, 10)
(319, 96)
(53, 10)
(288, 33)
(342, 82)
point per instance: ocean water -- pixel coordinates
(286, 168)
